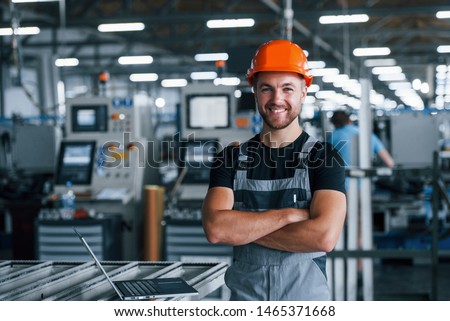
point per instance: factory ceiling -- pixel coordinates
(176, 30)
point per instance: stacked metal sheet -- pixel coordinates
(83, 281)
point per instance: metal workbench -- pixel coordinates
(83, 281)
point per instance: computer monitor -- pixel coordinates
(208, 111)
(75, 163)
(89, 118)
(198, 157)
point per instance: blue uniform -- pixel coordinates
(342, 136)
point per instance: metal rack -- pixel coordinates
(83, 281)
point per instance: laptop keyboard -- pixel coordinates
(142, 287)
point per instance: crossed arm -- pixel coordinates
(288, 229)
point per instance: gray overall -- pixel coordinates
(262, 274)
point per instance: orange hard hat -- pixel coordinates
(280, 55)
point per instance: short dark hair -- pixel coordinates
(340, 118)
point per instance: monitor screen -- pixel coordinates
(198, 156)
(75, 162)
(89, 118)
(208, 111)
(246, 102)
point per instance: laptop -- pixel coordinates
(146, 288)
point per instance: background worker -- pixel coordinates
(278, 198)
(343, 135)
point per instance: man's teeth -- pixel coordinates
(277, 110)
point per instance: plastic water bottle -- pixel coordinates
(68, 203)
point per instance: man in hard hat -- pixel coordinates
(278, 198)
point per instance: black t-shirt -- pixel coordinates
(325, 165)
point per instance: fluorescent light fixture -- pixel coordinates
(424, 88)
(119, 27)
(20, 31)
(324, 72)
(348, 18)
(400, 85)
(387, 70)
(443, 49)
(313, 88)
(392, 77)
(211, 56)
(443, 14)
(135, 60)
(316, 64)
(379, 62)
(27, 1)
(325, 94)
(66, 62)
(335, 78)
(230, 23)
(144, 77)
(375, 51)
(203, 75)
(227, 81)
(179, 82)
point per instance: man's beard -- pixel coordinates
(279, 125)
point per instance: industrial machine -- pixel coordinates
(106, 159)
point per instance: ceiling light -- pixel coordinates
(443, 14)
(135, 60)
(325, 94)
(324, 72)
(375, 51)
(174, 82)
(313, 88)
(160, 102)
(66, 62)
(379, 62)
(400, 85)
(26, 1)
(316, 64)
(386, 70)
(119, 27)
(416, 84)
(352, 18)
(144, 77)
(203, 75)
(230, 23)
(424, 88)
(211, 56)
(443, 49)
(20, 31)
(392, 77)
(227, 81)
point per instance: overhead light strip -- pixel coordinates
(66, 62)
(120, 27)
(352, 18)
(27, 1)
(443, 49)
(22, 31)
(375, 51)
(230, 23)
(143, 77)
(211, 56)
(135, 60)
(443, 14)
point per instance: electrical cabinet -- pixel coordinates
(56, 239)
